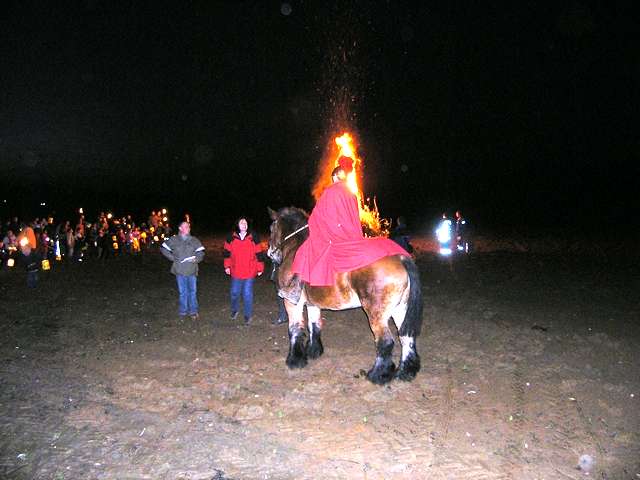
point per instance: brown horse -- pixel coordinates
(387, 288)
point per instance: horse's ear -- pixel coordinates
(272, 213)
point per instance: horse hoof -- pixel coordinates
(405, 376)
(409, 368)
(314, 350)
(299, 362)
(381, 376)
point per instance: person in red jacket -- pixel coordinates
(243, 261)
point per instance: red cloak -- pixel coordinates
(336, 243)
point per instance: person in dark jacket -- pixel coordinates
(31, 260)
(185, 251)
(243, 261)
(283, 316)
(400, 235)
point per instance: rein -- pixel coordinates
(292, 234)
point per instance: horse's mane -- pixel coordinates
(292, 218)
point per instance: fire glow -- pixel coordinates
(369, 217)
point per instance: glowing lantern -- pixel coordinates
(11, 262)
(46, 265)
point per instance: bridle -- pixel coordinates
(291, 235)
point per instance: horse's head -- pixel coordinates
(288, 229)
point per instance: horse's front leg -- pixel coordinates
(314, 319)
(383, 368)
(297, 357)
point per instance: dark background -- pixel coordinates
(519, 113)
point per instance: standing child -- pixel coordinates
(243, 261)
(31, 261)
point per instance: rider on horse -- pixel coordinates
(336, 243)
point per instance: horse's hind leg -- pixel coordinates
(314, 345)
(383, 369)
(409, 360)
(297, 357)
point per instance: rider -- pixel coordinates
(336, 243)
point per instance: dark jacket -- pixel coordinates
(31, 262)
(185, 253)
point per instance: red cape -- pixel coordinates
(335, 242)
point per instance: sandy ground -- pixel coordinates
(530, 362)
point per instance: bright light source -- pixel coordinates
(444, 231)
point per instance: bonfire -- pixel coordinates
(373, 225)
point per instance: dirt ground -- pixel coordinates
(529, 363)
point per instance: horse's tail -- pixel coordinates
(412, 323)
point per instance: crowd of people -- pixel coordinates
(70, 240)
(34, 245)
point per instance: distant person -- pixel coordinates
(27, 232)
(400, 235)
(31, 261)
(9, 240)
(71, 241)
(444, 234)
(185, 251)
(243, 261)
(461, 233)
(283, 316)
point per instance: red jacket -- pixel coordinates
(335, 243)
(243, 257)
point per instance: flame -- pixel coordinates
(369, 216)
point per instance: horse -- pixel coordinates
(387, 288)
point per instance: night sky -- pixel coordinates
(519, 113)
